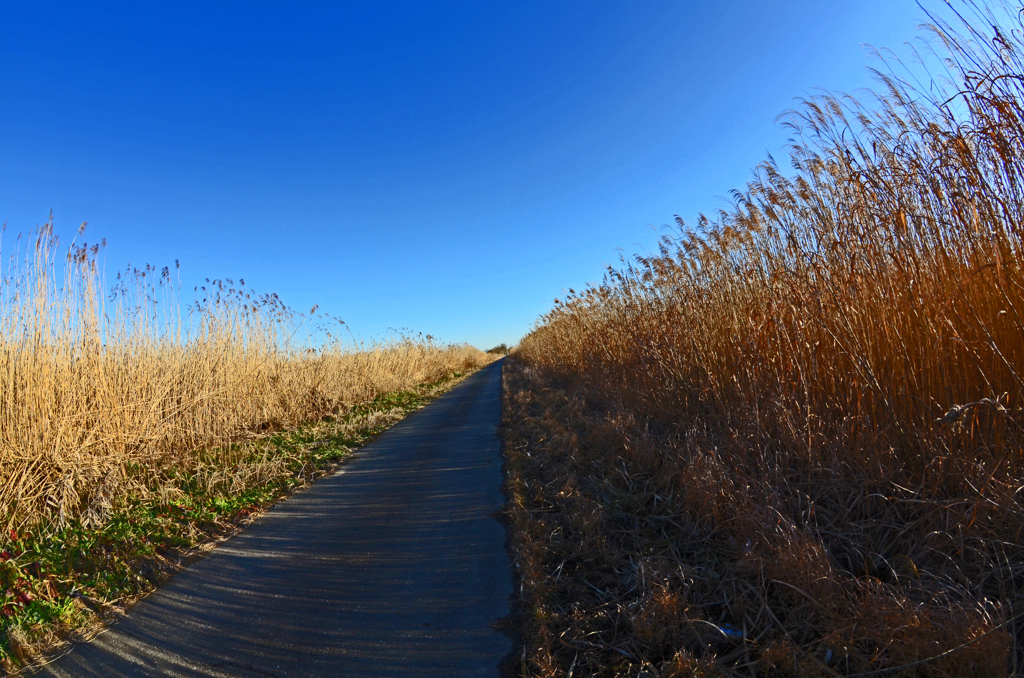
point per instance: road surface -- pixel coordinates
(394, 566)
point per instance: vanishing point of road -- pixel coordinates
(394, 566)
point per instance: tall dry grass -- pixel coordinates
(102, 392)
(825, 382)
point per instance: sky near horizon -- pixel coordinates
(447, 168)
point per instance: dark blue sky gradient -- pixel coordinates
(448, 168)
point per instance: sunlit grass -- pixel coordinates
(133, 429)
(61, 582)
(101, 393)
(820, 391)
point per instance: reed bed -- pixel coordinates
(790, 442)
(103, 393)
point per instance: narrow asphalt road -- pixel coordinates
(394, 566)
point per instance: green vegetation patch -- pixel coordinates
(58, 583)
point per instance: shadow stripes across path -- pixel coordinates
(394, 566)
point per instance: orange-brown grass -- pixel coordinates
(101, 395)
(790, 443)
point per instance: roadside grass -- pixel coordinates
(136, 430)
(103, 392)
(61, 584)
(791, 442)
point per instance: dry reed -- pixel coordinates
(790, 443)
(101, 394)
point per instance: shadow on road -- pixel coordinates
(391, 567)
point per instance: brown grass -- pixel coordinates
(101, 394)
(790, 443)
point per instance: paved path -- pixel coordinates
(392, 567)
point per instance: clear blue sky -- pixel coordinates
(445, 167)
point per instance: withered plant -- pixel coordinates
(103, 394)
(790, 442)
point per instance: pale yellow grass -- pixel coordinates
(101, 394)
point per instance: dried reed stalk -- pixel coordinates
(101, 394)
(816, 398)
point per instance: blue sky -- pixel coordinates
(449, 168)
